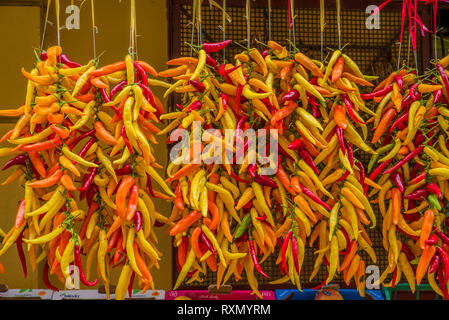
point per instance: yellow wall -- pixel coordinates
(112, 40)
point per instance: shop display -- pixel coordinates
(267, 161)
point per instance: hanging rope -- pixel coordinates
(435, 28)
(404, 7)
(269, 19)
(94, 28)
(57, 22)
(200, 31)
(45, 24)
(322, 24)
(133, 29)
(293, 17)
(224, 28)
(339, 23)
(247, 16)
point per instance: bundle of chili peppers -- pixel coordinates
(85, 133)
(411, 167)
(233, 204)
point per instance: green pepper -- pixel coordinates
(379, 151)
(433, 201)
(242, 227)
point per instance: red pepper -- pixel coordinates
(199, 86)
(86, 147)
(224, 98)
(265, 181)
(408, 235)
(341, 140)
(142, 73)
(208, 244)
(362, 172)
(432, 240)
(20, 217)
(90, 178)
(295, 145)
(137, 218)
(224, 72)
(432, 188)
(437, 95)
(21, 253)
(350, 109)
(396, 178)
(147, 94)
(395, 276)
(308, 159)
(118, 87)
(377, 171)
(80, 268)
(416, 195)
(398, 79)
(284, 251)
(344, 176)
(75, 141)
(214, 47)
(252, 169)
(254, 258)
(20, 160)
(126, 140)
(379, 93)
(441, 235)
(406, 159)
(126, 169)
(237, 178)
(150, 186)
(314, 197)
(441, 283)
(91, 192)
(45, 278)
(444, 262)
(65, 60)
(408, 252)
(210, 61)
(130, 285)
(295, 253)
(292, 95)
(350, 154)
(401, 118)
(264, 53)
(443, 76)
(113, 239)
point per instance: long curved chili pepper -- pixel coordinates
(208, 244)
(362, 172)
(432, 188)
(396, 178)
(407, 158)
(137, 218)
(238, 96)
(125, 170)
(379, 93)
(314, 197)
(75, 141)
(211, 61)
(295, 145)
(45, 278)
(416, 195)
(126, 140)
(214, 47)
(20, 160)
(441, 235)
(284, 251)
(142, 73)
(80, 268)
(341, 141)
(86, 147)
(441, 283)
(72, 64)
(292, 95)
(444, 262)
(90, 178)
(265, 181)
(130, 285)
(443, 76)
(434, 263)
(21, 254)
(401, 118)
(118, 87)
(408, 252)
(90, 193)
(237, 178)
(254, 258)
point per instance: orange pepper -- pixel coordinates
(37, 163)
(194, 242)
(340, 116)
(396, 201)
(104, 134)
(67, 182)
(212, 224)
(382, 127)
(47, 182)
(426, 228)
(122, 194)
